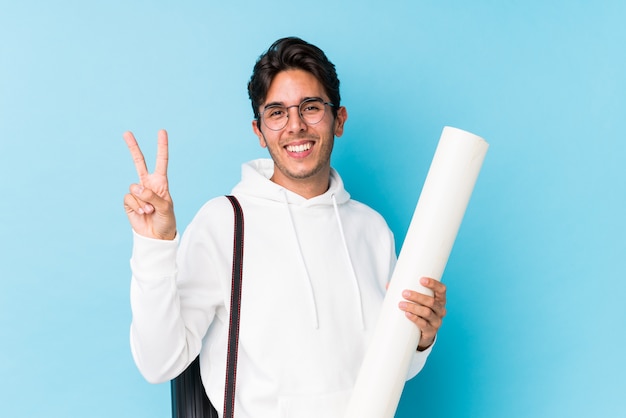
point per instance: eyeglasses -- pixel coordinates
(311, 111)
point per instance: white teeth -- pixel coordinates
(299, 148)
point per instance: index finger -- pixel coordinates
(135, 153)
(162, 153)
(438, 288)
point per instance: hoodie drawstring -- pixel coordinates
(309, 283)
(306, 270)
(354, 278)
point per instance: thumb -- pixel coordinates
(161, 210)
(143, 207)
(151, 200)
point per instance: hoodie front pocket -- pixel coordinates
(330, 405)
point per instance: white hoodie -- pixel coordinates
(314, 277)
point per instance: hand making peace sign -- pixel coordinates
(149, 205)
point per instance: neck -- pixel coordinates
(309, 187)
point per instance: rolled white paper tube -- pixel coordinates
(425, 251)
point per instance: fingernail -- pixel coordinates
(140, 211)
(424, 280)
(406, 293)
(137, 190)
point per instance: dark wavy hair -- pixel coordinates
(289, 54)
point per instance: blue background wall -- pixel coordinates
(537, 321)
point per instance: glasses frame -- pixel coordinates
(299, 106)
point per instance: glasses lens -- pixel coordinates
(275, 117)
(312, 111)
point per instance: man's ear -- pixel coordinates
(340, 120)
(258, 133)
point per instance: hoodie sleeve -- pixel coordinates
(418, 361)
(175, 291)
(156, 333)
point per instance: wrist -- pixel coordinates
(425, 345)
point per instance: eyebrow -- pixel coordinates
(282, 104)
(273, 104)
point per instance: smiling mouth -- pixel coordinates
(300, 147)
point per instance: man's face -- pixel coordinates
(301, 152)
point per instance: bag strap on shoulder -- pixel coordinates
(189, 399)
(235, 311)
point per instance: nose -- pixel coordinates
(294, 121)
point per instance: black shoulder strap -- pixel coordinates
(235, 310)
(189, 398)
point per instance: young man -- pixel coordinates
(315, 268)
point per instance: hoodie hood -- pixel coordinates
(255, 182)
